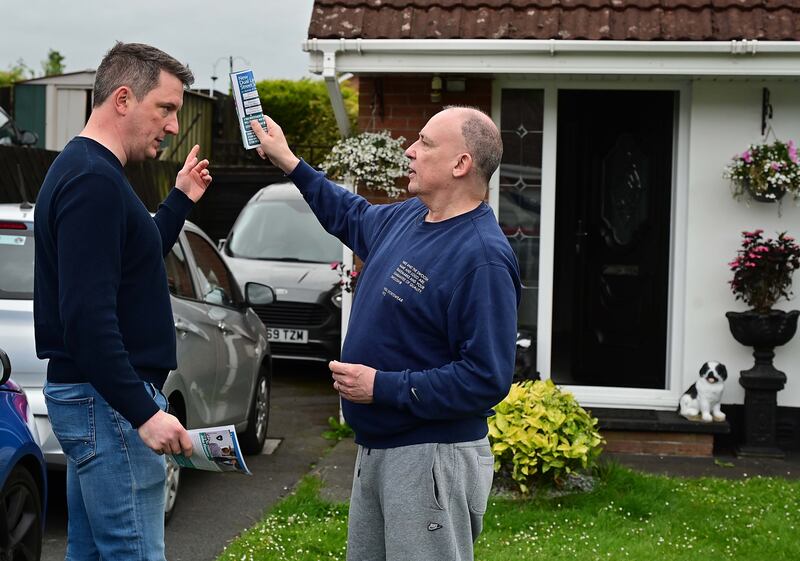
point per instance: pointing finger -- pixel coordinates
(191, 158)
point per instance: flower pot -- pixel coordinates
(769, 195)
(771, 329)
(762, 382)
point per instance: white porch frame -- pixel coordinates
(597, 396)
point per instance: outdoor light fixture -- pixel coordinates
(436, 89)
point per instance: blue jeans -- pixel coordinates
(115, 484)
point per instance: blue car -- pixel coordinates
(23, 475)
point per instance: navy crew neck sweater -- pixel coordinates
(102, 312)
(435, 312)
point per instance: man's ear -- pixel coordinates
(121, 99)
(463, 165)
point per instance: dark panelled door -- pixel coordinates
(613, 185)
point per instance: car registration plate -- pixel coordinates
(283, 335)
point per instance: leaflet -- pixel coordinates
(248, 106)
(215, 449)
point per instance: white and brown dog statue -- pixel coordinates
(704, 397)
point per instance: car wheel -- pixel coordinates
(171, 486)
(20, 517)
(252, 440)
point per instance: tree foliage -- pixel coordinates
(53, 64)
(16, 73)
(303, 110)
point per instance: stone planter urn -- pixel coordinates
(763, 332)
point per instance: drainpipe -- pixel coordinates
(335, 93)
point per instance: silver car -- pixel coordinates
(306, 322)
(224, 363)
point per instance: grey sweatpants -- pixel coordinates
(419, 503)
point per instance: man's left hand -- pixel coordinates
(354, 382)
(194, 178)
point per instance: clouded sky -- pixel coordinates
(265, 33)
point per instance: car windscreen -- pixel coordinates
(282, 230)
(16, 272)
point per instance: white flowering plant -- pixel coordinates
(765, 171)
(372, 159)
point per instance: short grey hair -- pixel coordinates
(482, 138)
(137, 66)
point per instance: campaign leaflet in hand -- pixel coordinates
(215, 449)
(248, 106)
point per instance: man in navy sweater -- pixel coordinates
(430, 342)
(102, 311)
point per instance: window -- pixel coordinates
(283, 230)
(178, 276)
(16, 256)
(521, 124)
(217, 286)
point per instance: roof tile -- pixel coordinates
(643, 20)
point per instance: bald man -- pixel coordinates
(430, 343)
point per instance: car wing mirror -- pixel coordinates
(28, 138)
(5, 368)
(258, 294)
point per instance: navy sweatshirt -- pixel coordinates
(101, 303)
(435, 312)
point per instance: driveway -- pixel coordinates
(213, 508)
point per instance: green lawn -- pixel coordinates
(628, 516)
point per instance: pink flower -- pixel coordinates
(746, 156)
(792, 151)
(775, 166)
(334, 265)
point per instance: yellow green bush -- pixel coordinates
(539, 433)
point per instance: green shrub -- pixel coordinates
(303, 110)
(339, 430)
(540, 434)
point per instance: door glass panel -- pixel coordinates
(178, 276)
(216, 283)
(521, 123)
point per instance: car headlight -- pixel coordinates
(336, 299)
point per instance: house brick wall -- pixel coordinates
(402, 105)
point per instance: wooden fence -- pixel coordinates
(22, 171)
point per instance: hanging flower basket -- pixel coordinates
(764, 194)
(765, 172)
(372, 159)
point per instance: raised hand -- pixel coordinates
(194, 177)
(274, 145)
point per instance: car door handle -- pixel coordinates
(222, 326)
(184, 328)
